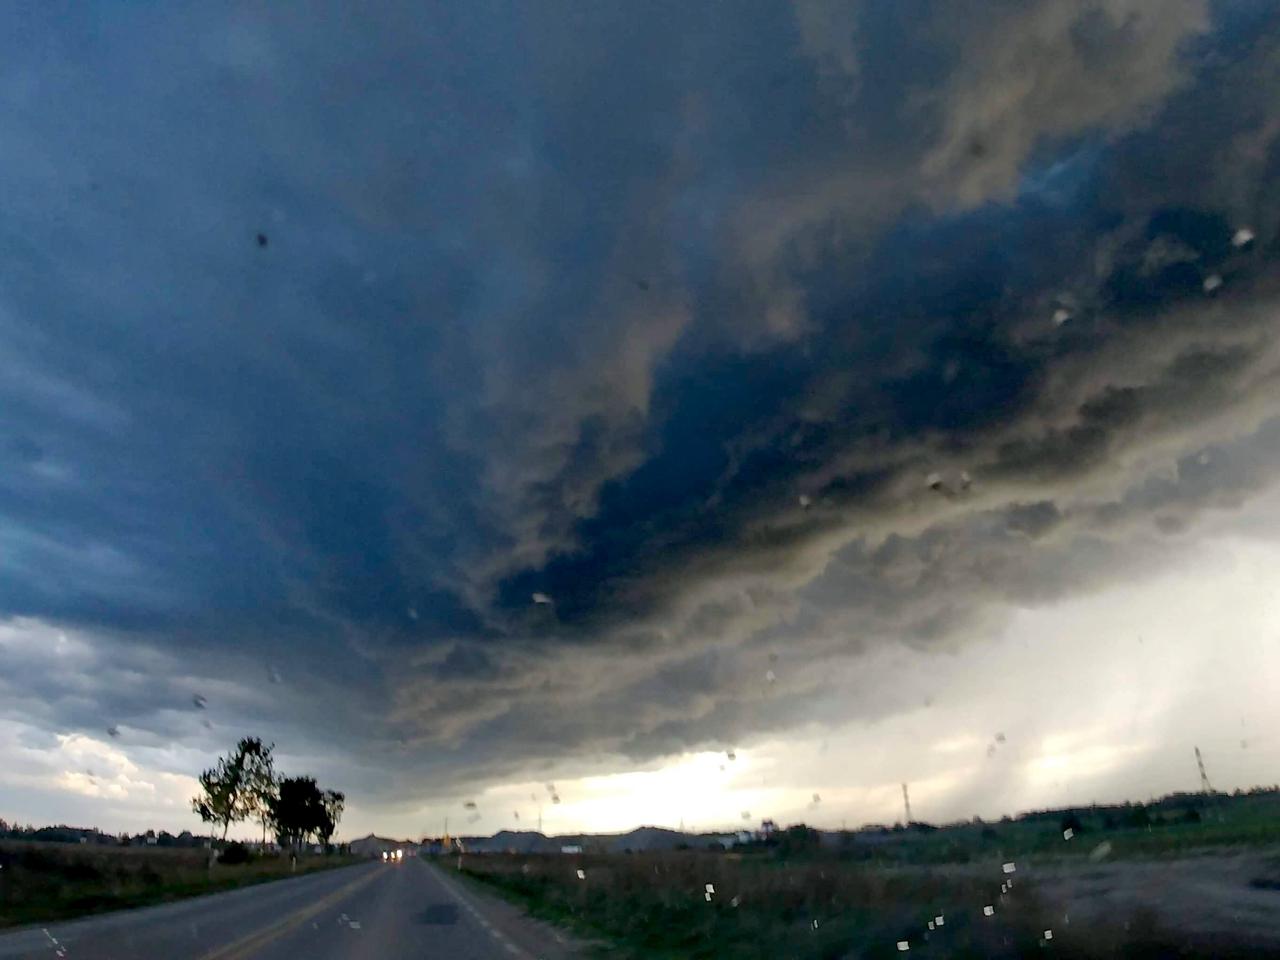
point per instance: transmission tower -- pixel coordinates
(906, 802)
(1204, 777)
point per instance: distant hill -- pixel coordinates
(521, 841)
(654, 838)
(642, 838)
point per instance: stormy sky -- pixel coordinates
(487, 396)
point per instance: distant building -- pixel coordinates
(375, 846)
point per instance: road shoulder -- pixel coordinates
(531, 938)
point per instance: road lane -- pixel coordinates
(416, 910)
(187, 928)
(410, 909)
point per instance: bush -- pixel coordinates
(235, 853)
(1136, 816)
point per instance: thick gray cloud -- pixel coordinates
(332, 341)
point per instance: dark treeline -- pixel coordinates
(244, 785)
(62, 833)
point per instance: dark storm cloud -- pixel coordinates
(802, 329)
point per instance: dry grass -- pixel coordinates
(653, 905)
(41, 882)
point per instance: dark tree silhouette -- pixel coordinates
(333, 801)
(225, 796)
(261, 780)
(298, 811)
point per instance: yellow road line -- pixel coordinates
(245, 946)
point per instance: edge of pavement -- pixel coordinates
(528, 937)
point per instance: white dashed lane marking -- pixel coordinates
(497, 935)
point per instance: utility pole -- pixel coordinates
(906, 802)
(1204, 777)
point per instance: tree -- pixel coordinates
(297, 811)
(260, 777)
(333, 802)
(226, 795)
(798, 839)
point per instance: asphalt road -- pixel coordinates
(409, 909)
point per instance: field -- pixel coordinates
(1131, 881)
(41, 882)
(1175, 825)
(654, 905)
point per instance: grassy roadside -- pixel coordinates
(45, 882)
(654, 905)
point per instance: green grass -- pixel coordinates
(1247, 821)
(653, 905)
(861, 895)
(44, 882)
